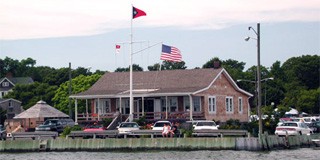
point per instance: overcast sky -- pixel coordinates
(84, 32)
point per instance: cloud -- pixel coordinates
(26, 19)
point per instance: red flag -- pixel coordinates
(137, 13)
(117, 48)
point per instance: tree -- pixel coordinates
(155, 67)
(210, 63)
(166, 65)
(30, 94)
(79, 84)
(308, 101)
(135, 67)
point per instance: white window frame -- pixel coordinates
(229, 104)
(212, 104)
(240, 104)
(5, 84)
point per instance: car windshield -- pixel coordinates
(129, 125)
(161, 124)
(290, 124)
(206, 124)
(50, 122)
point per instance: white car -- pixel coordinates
(127, 127)
(159, 125)
(293, 128)
(199, 125)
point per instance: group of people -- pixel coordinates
(169, 131)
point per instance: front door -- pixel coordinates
(149, 108)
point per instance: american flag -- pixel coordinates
(170, 53)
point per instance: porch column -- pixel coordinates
(76, 111)
(191, 107)
(142, 103)
(86, 109)
(120, 105)
(98, 109)
(166, 107)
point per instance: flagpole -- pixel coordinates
(131, 98)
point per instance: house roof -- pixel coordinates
(172, 82)
(9, 99)
(18, 80)
(41, 110)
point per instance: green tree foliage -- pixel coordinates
(135, 67)
(79, 84)
(165, 65)
(30, 94)
(301, 77)
(308, 101)
(211, 62)
(173, 65)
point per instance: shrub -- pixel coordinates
(67, 130)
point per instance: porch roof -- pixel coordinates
(167, 82)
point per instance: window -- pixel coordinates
(240, 104)
(212, 104)
(196, 103)
(5, 84)
(229, 104)
(107, 107)
(173, 104)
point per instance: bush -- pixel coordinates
(67, 130)
(106, 122)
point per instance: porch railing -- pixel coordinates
(148, 115)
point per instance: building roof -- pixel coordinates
(113, 84)
(41, 110)
(18, 80)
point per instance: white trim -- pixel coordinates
(227, 106)
(135, 95)
(7, 80)
(240, 111)
(214, 104)
(4, 100)
(230, 79)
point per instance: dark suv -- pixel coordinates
(55, 125)
(3, 133)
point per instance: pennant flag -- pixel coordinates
(170, 53)
(117, 48)
(137, 13)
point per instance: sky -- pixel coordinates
(85, 32)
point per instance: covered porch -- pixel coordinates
(151, 107)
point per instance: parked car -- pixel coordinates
(159, 125)
(315, 126)
(3, 133)
(127, 127)
(55, 125)
(293, 128)
(199, 125)
(94, 127)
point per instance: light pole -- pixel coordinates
(258, 74)
(265, 90)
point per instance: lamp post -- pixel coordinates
(258, 74)
(265, 90)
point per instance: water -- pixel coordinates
(304, 153)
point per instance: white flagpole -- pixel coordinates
(131, 98)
